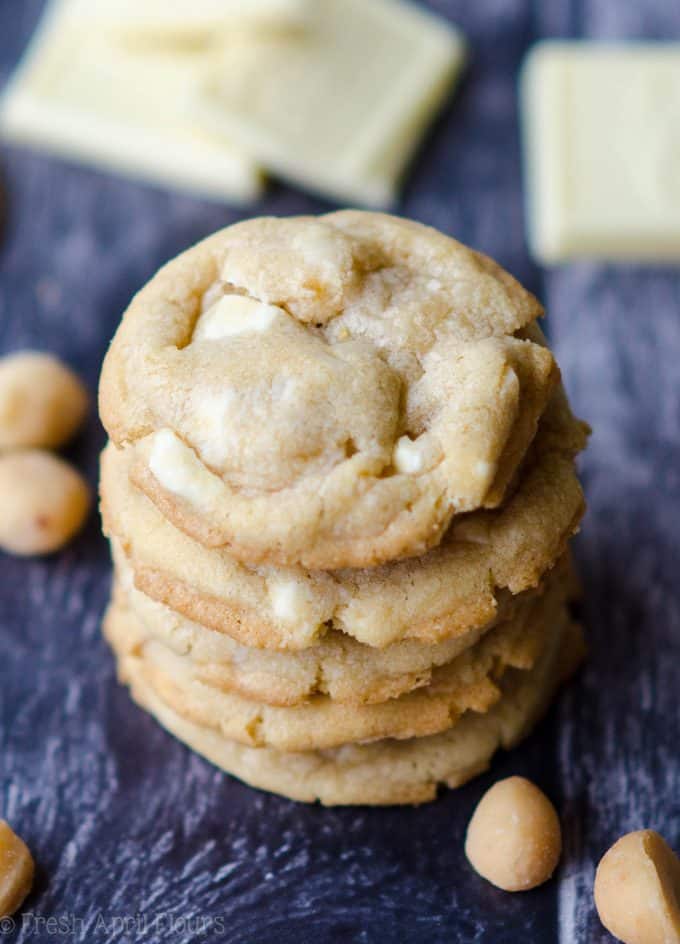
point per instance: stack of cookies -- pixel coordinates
(339, 490)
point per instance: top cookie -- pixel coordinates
(326, 392)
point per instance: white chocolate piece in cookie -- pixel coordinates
(408, 456)
(235, 314)
(177, 468)
(291, 600)
(390, 333)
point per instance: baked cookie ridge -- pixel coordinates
(385, 772)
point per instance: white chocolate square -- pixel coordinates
(602, 150)
(82, 96)
(340, 108)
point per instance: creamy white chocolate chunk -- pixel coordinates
(408, 456)
(215, 415)
(236, 314)
(289, 600)
(294, 605)
(178, 469)
(602, 137)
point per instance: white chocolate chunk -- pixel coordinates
(178, 469)
(602, 138)
(408, 456)
(212, 416)
(97, 102)
(318, 246)
(288, 600)
(292, 605)
(340, 109)
(212, 295)
(236, 314)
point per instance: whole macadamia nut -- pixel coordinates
(43, 502)
(514, 838)
(42, 402)
(637, 890)
(16, 871)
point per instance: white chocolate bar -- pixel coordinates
(341, 107)
(80, 96)
(602, 148)
(191, 20)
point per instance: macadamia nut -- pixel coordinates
(514, 838)
(637, 890)
(16, 871)
(42, 402)
(43, 502)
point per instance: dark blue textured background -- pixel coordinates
(123, 820)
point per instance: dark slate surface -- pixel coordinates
(139, 840)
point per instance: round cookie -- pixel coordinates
(339, 666)
(461, 585)
(326, 392)
(384, 772)
(467, 683)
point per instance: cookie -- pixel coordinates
(461, 585)
(326, 392)
(384, 772)
(469, 682)
(338, 666)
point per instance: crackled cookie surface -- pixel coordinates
(326, 392)
(469, 682)
(460, 585)
(339, 666)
